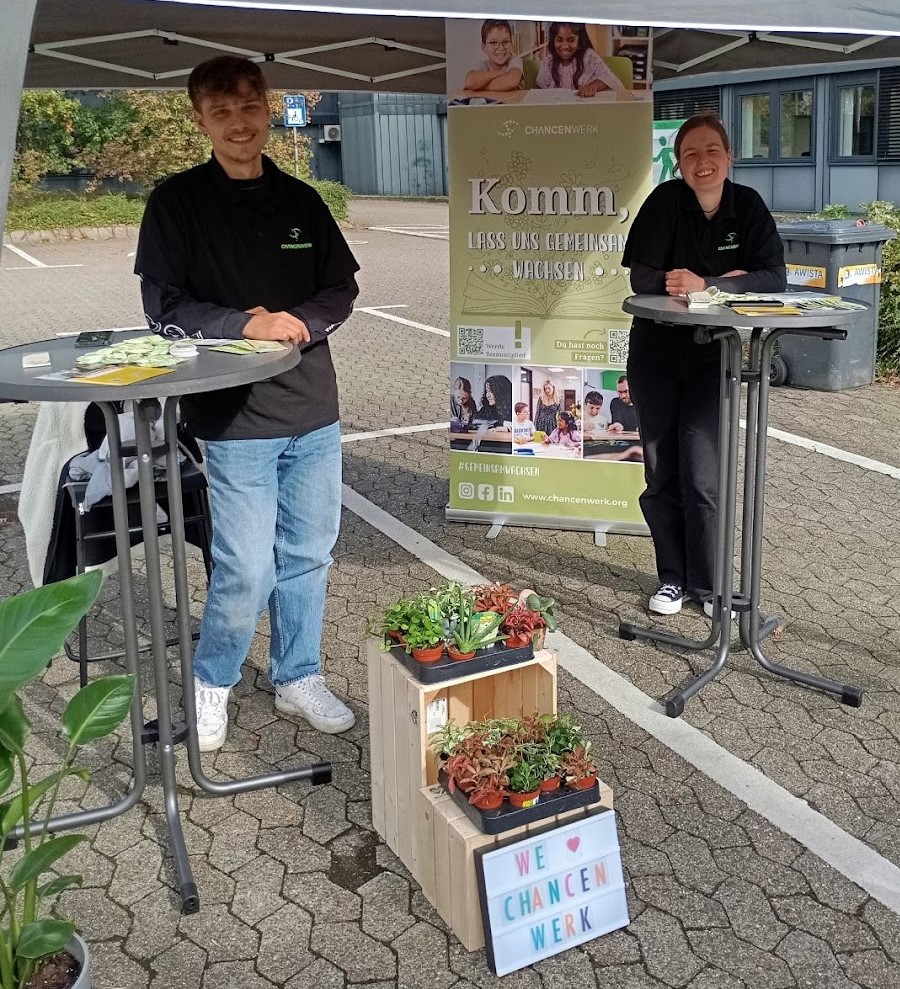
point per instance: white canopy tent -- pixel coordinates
(390, 46)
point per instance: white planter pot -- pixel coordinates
(79, 950)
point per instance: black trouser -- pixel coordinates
(674, 385)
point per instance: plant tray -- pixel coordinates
(493, 658)
(508, 817)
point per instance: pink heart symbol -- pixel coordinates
(573, 844)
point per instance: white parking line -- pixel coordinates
(33, 262)
(372, 311)
(848, 855)
(432, 233)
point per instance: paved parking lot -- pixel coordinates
(760, 835)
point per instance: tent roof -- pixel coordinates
(148, 43)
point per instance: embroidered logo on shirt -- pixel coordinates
(729, 244)
(294, 234)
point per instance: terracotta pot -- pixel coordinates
(585, 783)
(524, 799)
(459, 656)
(550, 784)
(488, 801)
(394, 634)
(516, 641)
(428, 654)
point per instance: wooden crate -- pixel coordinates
(401, 763)
(447, 875)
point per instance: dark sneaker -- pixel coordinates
(667, 600)
(708, 610)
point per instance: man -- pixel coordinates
(593, 422)
(236, 248)
(621, 409)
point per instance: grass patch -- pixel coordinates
(56, 211)
(60, 211)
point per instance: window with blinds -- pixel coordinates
(679, 104)
(889, 115)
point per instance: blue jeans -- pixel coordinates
(276, 512)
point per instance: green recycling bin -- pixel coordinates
(841, 257)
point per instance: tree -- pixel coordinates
(161, 139)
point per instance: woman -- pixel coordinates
(566, 433)
(548, 405)
(496, 402)
(462, 405)
(691, 233)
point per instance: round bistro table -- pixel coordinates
(719, 323)
(208, 371)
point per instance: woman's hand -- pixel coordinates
(680, 281)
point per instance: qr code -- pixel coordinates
(470, 341)
(618, 346)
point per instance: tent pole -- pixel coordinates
(15, 34)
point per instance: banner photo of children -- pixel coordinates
(539, 62)
(547, 412)
(609, 419)
(481, 407)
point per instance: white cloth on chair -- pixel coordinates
(58, 435)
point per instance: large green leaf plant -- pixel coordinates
(33, 627)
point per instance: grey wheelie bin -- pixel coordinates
(843, 258)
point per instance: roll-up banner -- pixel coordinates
(550, 158)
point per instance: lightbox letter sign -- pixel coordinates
(551, 891)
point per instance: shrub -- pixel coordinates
(336, 196)
(888, 213)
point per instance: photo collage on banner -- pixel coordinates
(545, 177)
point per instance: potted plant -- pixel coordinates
(424, 636)
(524, 782)
(564, 735)
(473, 630)
(519, 626)
(543, 607)
(494, 597)
(395, 621)
(578, 768)
(33, 627)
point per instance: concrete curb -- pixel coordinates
(69, 233)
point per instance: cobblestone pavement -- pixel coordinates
(296, 888)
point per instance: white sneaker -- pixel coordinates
(708, 610)
(212, 715)
(667, 600)
(311, 699)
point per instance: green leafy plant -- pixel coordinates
(564, 735)
(544, 607)
(424, 629)
(473, 629)
(525, 777)
(33, 627)
(888, 213)
(835, 211)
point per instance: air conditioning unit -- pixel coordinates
(333, 132)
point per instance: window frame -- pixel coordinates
(851, 80)
(774, 90)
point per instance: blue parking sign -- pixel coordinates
(295, 111)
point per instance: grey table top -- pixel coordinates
(667, 309)
(208, 371)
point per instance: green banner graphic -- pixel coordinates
(541, 201)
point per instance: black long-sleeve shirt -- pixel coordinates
(211, 248)
(670, 231)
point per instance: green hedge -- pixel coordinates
(336, 196)
(57, 211)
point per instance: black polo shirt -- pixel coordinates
(670, 231)
(230, 245)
